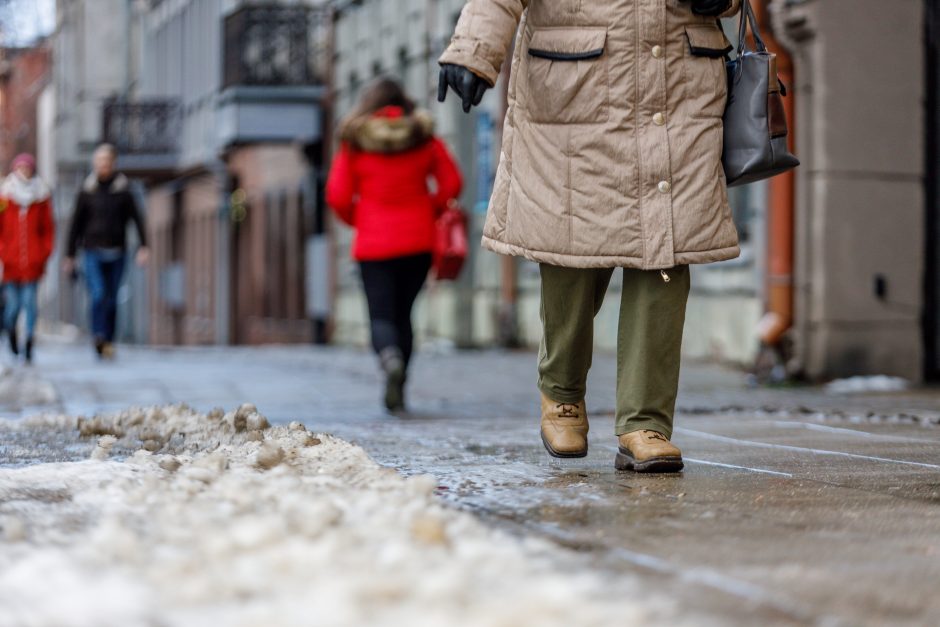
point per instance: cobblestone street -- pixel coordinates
(796, 506)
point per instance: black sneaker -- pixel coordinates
(29, 351)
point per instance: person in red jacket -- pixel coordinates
(378, 184)
(27, 233)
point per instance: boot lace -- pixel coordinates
(656, 435)
(567, 410)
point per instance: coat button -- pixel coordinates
(657, 52)
(659, 119)
(664, 187)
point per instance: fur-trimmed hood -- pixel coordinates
(119, 184)
(388, 130)
(24, 192)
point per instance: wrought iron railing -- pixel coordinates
(275, 46)
(146, 127)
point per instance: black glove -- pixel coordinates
(465, 84)
(711, 8)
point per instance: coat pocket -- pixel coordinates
(704, 74)
(567, 76)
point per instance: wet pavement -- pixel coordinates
(796, 506)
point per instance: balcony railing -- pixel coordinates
(143, 128)
(275, 46)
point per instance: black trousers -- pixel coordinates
(391, 286)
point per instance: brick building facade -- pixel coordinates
(24, 74)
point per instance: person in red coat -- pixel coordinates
(27, 234)
(378, 185)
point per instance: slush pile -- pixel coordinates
(181, 518)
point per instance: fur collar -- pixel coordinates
(120, 183)
(388, 134)
(24, 193)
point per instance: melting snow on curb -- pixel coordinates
(221, 519)
(868, 384)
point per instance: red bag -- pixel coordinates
(450, 243)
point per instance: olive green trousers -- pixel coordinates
(649, 340)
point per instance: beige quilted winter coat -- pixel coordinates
(612, 144)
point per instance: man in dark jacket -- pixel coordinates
(103, 209)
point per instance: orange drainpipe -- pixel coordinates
(778, 317)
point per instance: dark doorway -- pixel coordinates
(932, 179)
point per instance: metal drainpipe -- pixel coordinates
(329, 117)
(430, 33)
(778, 318)
(223, 276)
(129, 55)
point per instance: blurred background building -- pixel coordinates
(224, 110)
(206, 101)
(24, 74)
(867, 207)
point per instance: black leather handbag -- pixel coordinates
(755, 140)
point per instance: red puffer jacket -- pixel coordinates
(27, 230)
(379, 183)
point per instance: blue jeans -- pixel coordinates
(103, 272)
(20, 297)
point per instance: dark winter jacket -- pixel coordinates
(379, 183)
(102, 212)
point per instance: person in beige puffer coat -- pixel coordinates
(611, 157)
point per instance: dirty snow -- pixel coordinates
(863, 384)
(187, 519)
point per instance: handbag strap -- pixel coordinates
(748, 16)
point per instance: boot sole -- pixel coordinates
(554, 453)
(394, 391)
(625, 461)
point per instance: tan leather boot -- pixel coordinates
(647, 451)
(564, 428)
